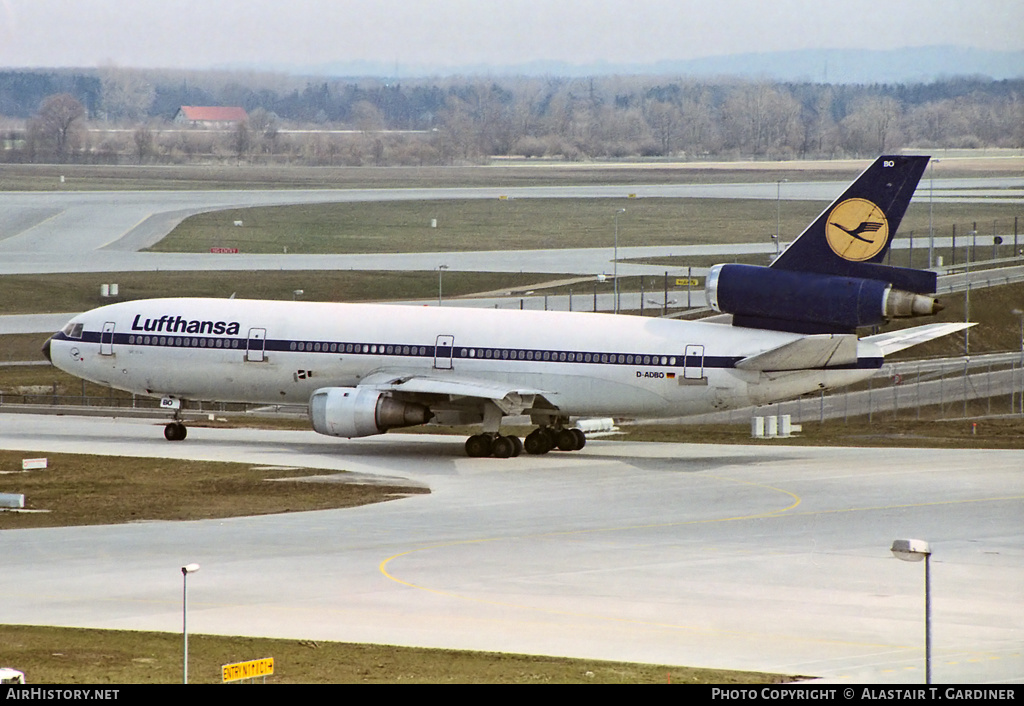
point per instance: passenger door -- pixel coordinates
(443, 349)
(107, 339)
(255, 350)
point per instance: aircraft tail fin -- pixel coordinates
(831, 279)
(851, 237)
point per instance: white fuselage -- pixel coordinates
(280, 352)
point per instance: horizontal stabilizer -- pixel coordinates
(809, 352)
(905, 338)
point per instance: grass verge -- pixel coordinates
(523, 224)
(81, 489)
(40, 294)
(51, 655)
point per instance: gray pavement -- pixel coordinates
(743, 557)
(101, 231)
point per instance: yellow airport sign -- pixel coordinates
(684, 282)
(247, 670)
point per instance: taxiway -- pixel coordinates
(768, 558)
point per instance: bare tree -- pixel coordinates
(242, 141)
(143, 137)
(56, 122)
(873, 126)
(127, 94)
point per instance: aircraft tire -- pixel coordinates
(567, 441)
(504, 447)
(537, 442)
(581, 438)
(479, 445)
(517, 445)
(175, 431)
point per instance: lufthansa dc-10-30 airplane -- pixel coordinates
(362, 369)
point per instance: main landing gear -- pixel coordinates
(481, 445)
(539, 441)
(544, 439)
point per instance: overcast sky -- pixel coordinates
(411, 33)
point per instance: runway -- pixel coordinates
(102, 231)
(768, 558)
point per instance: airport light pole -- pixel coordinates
(185, 571)
(916, 550)
(615, 260)
(967, 292)
(931, 229)
(778, 211)
(440, 281)
(1020, 315)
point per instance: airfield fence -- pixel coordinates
(946, 388)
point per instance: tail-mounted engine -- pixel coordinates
(354, 411)
(806, 302)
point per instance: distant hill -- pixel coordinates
(908, 65)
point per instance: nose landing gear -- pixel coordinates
(175, 431)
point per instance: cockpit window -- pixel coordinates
(73, 330)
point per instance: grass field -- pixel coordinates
(500, 173)
(50, 655)
(81, 489)
(524, 224)
(75, 292)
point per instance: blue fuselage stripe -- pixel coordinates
(431, 351)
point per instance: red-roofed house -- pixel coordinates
(210, 116)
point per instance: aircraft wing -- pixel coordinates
(905, 338)
(510, 399)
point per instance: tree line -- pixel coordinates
(124, 115)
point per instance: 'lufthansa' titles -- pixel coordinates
(176, 324)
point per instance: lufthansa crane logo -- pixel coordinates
(856, 230)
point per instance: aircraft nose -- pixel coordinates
(46, 350)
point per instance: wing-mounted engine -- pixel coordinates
(808, 302)
(359, 411)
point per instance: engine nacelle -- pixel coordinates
(807, 302)
(354, 411)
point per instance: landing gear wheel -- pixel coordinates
(566, 440)
(504, 447)
(479, 445)
(517, 445)
(581, 438)
(537, 441)
(175, 431)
